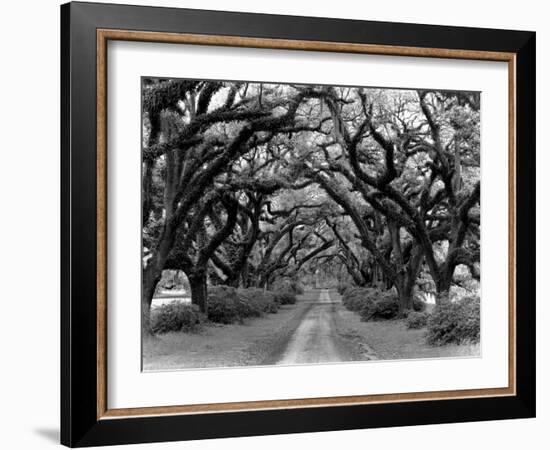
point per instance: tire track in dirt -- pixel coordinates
(316, 336)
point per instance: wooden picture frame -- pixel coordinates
(86, 418)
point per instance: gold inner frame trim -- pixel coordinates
(104, 35)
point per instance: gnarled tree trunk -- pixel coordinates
(199, 294)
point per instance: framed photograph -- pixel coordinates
(276, 224)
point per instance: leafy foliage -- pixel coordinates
(287, 285)
(176, 316)
(286, 290)
(374, 304)
(354, 297)
(286, 297)
(371, 304)
(383, 307)
(416, 320)
(227, 304)
(343, 287)
(455, 322)
(266, 301)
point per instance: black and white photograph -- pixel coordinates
(288, 224)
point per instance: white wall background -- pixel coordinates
(29, 224)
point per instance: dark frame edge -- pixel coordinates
(302, 420)
(65, 187)
(78, 227)
(525, 223)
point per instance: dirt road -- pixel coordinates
(317, 329)
(316, 339)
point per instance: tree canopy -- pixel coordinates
(248, 183)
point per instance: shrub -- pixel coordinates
(248, 306)
(264, 301)
(227, 304)
(287, 285)
(371, 303)
(384, 307)
(223, 305)
(374, 304)
(416, 320)
(354, 297)
(286, 297)
(455, 322)
(176, 316)
(342, 288)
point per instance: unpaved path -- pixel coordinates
(317, 338)
(317, 329)
(314, 330)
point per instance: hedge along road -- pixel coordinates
(316, 338)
